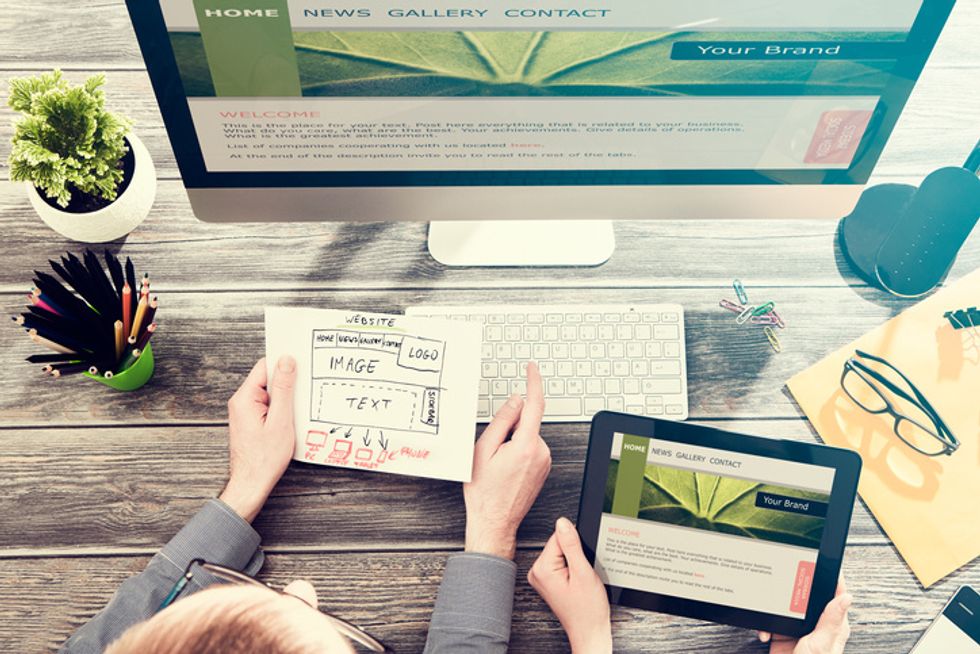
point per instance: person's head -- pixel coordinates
(237, 618)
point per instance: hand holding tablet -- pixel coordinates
(702, 523)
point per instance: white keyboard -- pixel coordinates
(592, 357)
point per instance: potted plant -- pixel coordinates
(88, 176)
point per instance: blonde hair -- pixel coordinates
(230, 619)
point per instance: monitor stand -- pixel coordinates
(521, 242)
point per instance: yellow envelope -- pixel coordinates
(928, 506)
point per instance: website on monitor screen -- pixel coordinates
(713, 526)
(292, 85)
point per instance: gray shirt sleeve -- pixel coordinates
(216, 534)
(474, 606)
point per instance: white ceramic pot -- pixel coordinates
(121, 217)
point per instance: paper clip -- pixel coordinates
(773, 341)
(764, 309)
(763, 320)
(778, 319)
(745, 315)
(740, 291)
(731, 306)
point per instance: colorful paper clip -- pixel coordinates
(773, 341)
(740, 291)
(764, 309)
(745, 315)
(778, 319)
(763, 320)
(731, 306)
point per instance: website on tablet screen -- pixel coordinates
(712, 525)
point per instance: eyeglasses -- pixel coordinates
(917, 423)
(351, 632)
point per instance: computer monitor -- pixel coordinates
(500, 111)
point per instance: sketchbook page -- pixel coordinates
(380, 392)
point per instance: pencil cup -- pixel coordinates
(133, 377)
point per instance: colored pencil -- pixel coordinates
(145, 338)
(51, 358)
(151, 311)
(131, 278)
(140, 315)
(54, 334)
(38, 302)
(127, 308)
(120, 341)
(57, 347)
(115, 271)
(69, 369)
(129, 360)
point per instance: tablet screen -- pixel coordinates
(712, 525)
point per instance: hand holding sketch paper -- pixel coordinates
(381, 392)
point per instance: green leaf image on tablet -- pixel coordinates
(561, 63)
(727, 505)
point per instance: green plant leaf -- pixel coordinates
(722, 504)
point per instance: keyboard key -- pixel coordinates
(532, 333)
(519, 387)
(672, 350)
(613, 387)
(606, 332)
(569, 333)
(669, 317)
(664, 368)
(640, 368)
(636, 400)
(555, 387)
(549, 333)
(632, 316)
(573, 317)
(593, 317)
(490, 369)
(575, 386)
(621, 368)
(635, 408)
(512, 333)
(651, 317)
(595, 404)
(579, 351)
(624, 332)
(587, 332)
(611, 317)
(515, 318)
(496, 318)
(631, 386)
(522, 369)
(615, 404)
(665, 332)
(554, 318)
(603, 369)
(503, 351)
(634, 350)
(597, 350)
(500, 387)
(483, 408)
(508, 369)
(486, 351)
(493, 333)
(674, 409)
(535, 318)
(566, 369)
(560, 350)
(583, 368)
(616, 350)
(563, 406)
(477, 317)
(522, 351)
(642, 332)
(540, 351)
(593, 386)
(654, 350)
(484, 387)
(547, 368)
(660, 386)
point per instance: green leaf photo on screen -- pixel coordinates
(565, 63)
(721, 504)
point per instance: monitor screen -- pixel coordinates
(435, 93)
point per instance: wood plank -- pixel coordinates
(132, 489)
(100, 36)
(391, 594)
(208, 342)
(174, 246)
(935, 129)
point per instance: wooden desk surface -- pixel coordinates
(92, 481)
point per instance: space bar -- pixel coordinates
(562, 406)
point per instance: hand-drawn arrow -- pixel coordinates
(347, 435)
(334, 430)
(383, 441)
(367, 438)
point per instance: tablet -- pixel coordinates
(708, 524)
